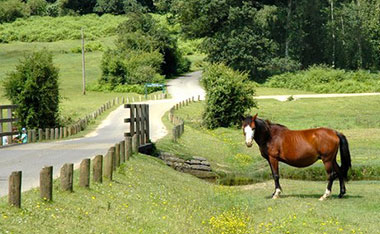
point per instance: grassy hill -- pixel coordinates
(149, 197)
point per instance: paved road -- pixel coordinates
(30, 158)
(283, 98)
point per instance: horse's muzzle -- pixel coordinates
(249, 145)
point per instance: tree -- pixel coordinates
(237, 32)
(34, 88)
(10, 10)
(229, 96)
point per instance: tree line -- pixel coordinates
(272, 36)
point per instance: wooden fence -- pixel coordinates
(103, 167)
(36, 135)
(7, 121)
(138, 125)
(179, 124)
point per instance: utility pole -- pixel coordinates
(83, 64)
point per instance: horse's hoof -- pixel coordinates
(322, 198)
(341, 195)
(275, 196)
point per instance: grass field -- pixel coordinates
(73, 104)
(356, 117)
(149, 197)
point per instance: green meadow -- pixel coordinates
(147, 196)
(356, 117)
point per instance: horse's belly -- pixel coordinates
(300, 161)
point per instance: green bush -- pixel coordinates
(89, 47)
(143, 32)
(130, 67)
(321, 79)
(37, 7)
(229, 96)
(34, 88)
(48, 29)
(10, 10)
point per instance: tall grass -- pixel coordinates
(321, 79)
(49, 29)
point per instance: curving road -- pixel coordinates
(30, 158)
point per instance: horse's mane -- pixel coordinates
(263, 130)
(270, 124)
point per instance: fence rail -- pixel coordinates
(138, 123)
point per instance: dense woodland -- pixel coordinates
(263, 38)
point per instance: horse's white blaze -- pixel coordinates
(248, 134)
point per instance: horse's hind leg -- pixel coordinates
(332, 176)
(341, 180)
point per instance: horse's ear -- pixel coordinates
(254, 117)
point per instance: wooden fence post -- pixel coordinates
(84, 173)
(60, 133)
(122, 152)
(97, 169)
(14, 189)
(174, 134)
(108, 164)
(47, 134)
(40, 134)
(52, 134)
(34, 135)
(56, 134)
(30, 137)
(135, 143)
(128, 148)
(67, 172)
(64, 132)
(117, 156)
(46, 183)
(147, 129)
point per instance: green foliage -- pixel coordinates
(130, 67)
(123, 6)
(142, 32)
(49, 29)
(255, 36)
(37, 7)
(89, 47)
(78, 6)
(10, 10)
(34, 88)
(229, 96)
(237, 34)
(144, 50)
(321, 79)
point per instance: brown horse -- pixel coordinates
(299, 149)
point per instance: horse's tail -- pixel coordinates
(345, 156)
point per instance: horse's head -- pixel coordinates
(248, 127)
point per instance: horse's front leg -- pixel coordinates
(273, 163)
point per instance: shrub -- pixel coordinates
(89, 47)
(48, 29)
(34, 88)
(37, 7)
(142, 32)
(229, 96)
(130, 67)
(321, 79)
(10, 10)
